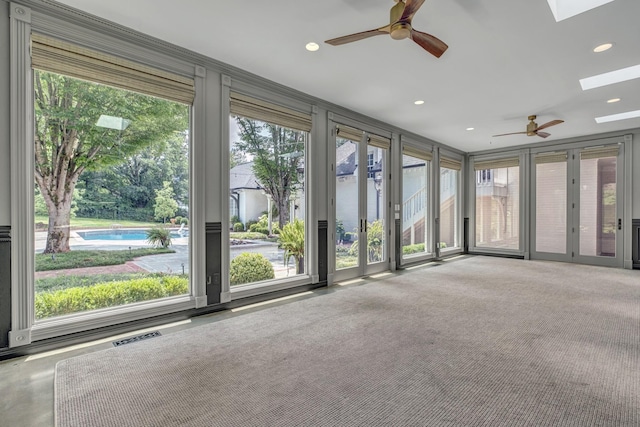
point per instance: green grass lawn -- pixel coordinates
(98, 222)
(97, 258)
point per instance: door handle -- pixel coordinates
(619, 223)
(361, 227)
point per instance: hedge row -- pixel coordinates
(103, 295)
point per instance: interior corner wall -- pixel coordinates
(5, 176)
(5, 143)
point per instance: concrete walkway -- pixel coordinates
(173, 263)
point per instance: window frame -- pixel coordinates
(522, 156)
(461, 209)
(24, 328)
(232, 85)
(430, 252)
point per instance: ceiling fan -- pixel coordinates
(400, 28)
(534, 129)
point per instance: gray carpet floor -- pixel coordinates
(479, 341)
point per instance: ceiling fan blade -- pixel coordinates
(549, 124)
(543, 134)
(410, 9)
(513, 133)
(359, 36)
(431, 44)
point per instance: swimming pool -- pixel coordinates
(123, 234)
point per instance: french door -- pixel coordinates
(577, 205)
(361, 203)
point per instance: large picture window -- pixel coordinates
(266, 191)
(111, 185)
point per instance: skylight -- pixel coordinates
(563, 9)
(610, 78)
(620, 116)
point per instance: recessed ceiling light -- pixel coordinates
(603, 47)
(611, 77)
(419, 102)
(612, 100)
(312, 47)
(563, 9)
(470, 128)
(621, 116)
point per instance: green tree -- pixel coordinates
(277, 155)
(165, 205)
(70, 140)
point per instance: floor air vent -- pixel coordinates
(136, 338)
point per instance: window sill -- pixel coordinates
(58, 326)
(245, 291)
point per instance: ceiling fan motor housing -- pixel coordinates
(399, 30)
(532, 126)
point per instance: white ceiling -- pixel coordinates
(507, 59)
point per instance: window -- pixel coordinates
(267, 182)
(449, 202)
(415, 202)
(111, 182)
(497, 194)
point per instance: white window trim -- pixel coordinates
(24, 327)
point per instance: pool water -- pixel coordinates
(130, 234)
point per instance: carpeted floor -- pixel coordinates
(480, 341)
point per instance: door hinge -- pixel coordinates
(573, 229)
(573, 181)
(573, 254)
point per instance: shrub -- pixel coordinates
(413, 249)
(257, 228)
(234, 219)
(250, 267)
(238, 227)
(350, 236)
(247, 235)
(178, 218)
(248, 224)
(184, 221)
(103, 295)
(159, 237)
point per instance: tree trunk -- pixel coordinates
(59, 226)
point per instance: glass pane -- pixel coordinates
(414, 206)
(498, 208)
(346, 203)
(111, 196)
(376, 201)
(448, 208)
(267, 201)
(598, 207)
(551, 207)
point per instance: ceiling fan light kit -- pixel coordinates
(400, 28)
